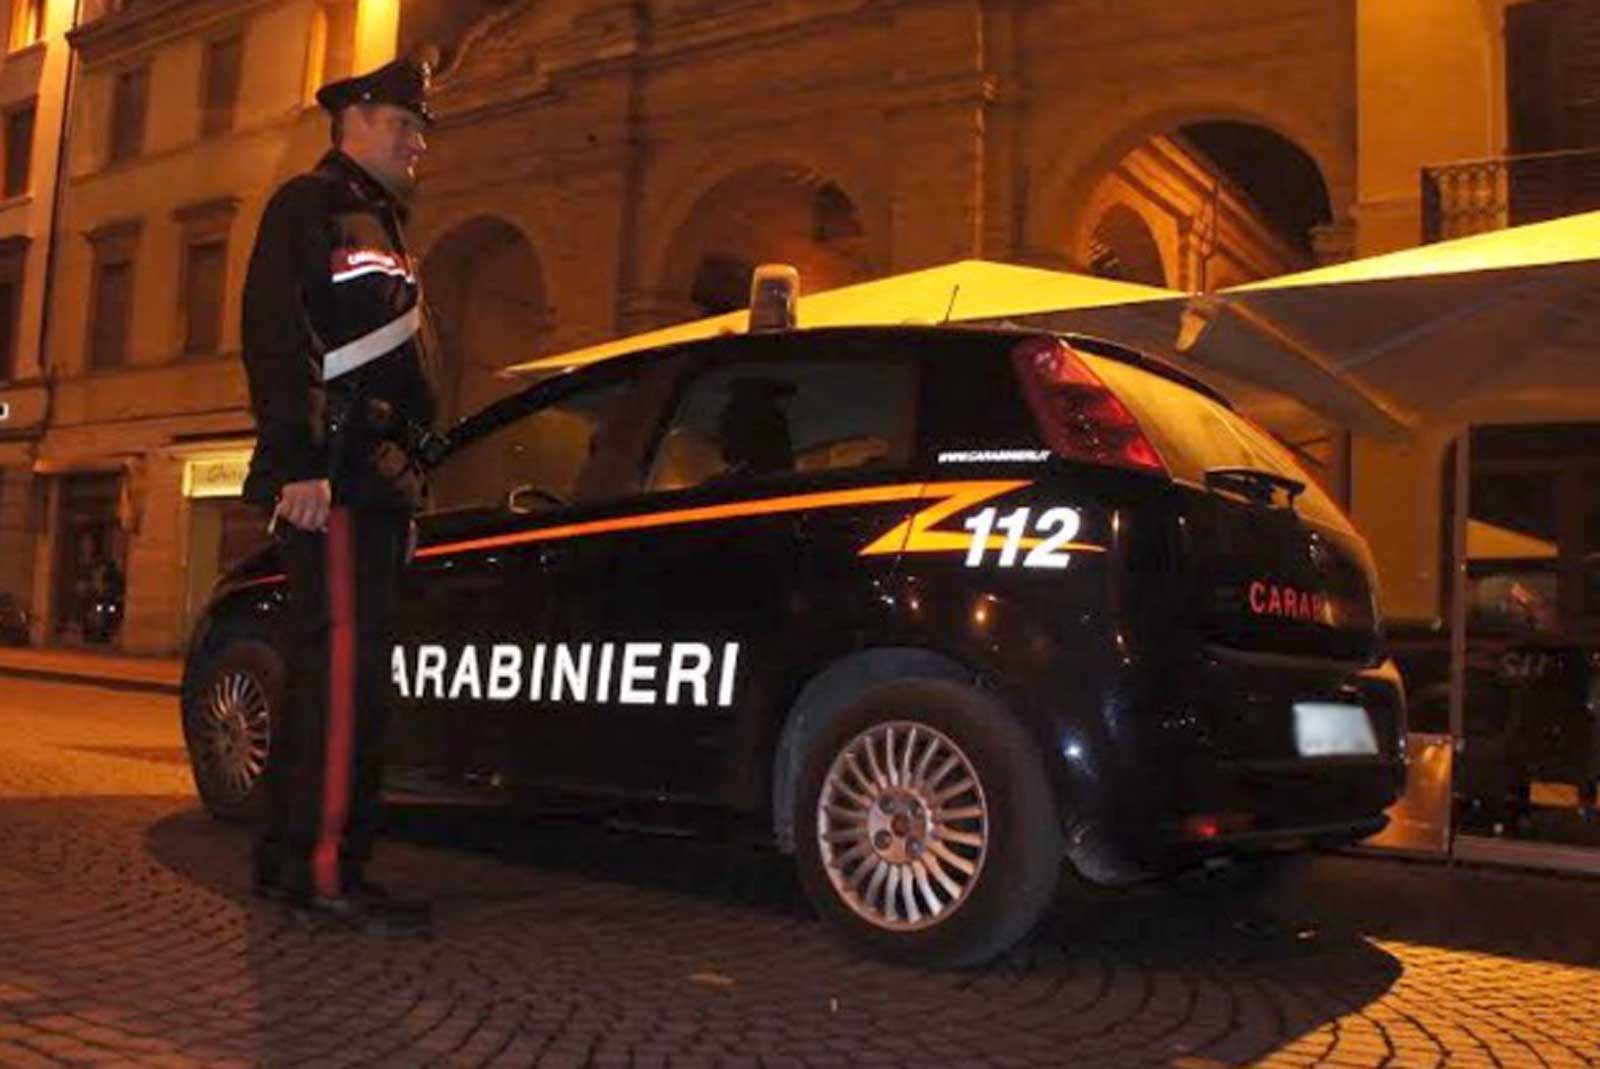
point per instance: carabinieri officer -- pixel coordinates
(332, 318)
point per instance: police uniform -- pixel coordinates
(332, 311)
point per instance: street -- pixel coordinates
(128, 938)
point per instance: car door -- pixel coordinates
(479, 618)
(770, 442)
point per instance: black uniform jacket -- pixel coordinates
(330, 266)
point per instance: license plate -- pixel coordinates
(1333, 729)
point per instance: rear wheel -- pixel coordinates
(926, 828)
(228, 725)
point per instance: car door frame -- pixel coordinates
(497, 552)
(730, 762)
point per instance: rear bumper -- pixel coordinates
(1235, 783)
(1239, 810)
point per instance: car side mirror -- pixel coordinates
(528, 499)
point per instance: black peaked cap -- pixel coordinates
(403, 84)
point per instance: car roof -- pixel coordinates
(621, 366)
(1103, 347)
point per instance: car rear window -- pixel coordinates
(1195, 434)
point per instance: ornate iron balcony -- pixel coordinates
(1473, 196)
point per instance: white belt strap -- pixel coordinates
(369, 347)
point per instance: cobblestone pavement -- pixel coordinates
(127, 939)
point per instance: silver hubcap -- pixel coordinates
(903, 826)
(237, 734)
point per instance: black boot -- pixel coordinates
(267, 874)
(408, 916)
(365, 914)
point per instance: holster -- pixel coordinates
(366, 441)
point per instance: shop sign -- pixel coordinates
(221, 475)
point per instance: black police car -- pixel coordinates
(935, 607)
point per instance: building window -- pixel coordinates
(13, 260)
(205, 274)
(333, 44)
(204, 283)
(13, 265)
(224, 59)
(1533, 530)
(111, 293)
(27, 22)
(130, 104)
(19, 150)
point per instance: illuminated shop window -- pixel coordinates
(27, 22)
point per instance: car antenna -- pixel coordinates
(951, 307)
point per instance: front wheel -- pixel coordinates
(926, 828)
(228, 725)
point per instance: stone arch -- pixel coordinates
(1123, 246)
(820, 215)
(1060, 217)
(486, 289)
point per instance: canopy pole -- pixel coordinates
(1461, 509)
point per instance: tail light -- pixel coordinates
(1204, 826)
(1079, 416)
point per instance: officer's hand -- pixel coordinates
(306, 504)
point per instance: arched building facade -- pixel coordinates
(671, 146)
(604, 166)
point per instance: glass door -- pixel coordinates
(1527, 729)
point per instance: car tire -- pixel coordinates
(878, 849)
(228, 725)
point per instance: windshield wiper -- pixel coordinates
(1254, 483)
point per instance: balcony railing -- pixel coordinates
(1473, 196)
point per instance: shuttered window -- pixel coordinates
(130, 105)
(224, 59)
(19, 150)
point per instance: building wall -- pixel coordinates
(962, 128)
(37, 72)
(1431, 84)
(155, 413)
(602, 133)
(1102, 86)
(600, 145)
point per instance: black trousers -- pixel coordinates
(324, 779)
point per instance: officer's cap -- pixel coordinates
(403, 84)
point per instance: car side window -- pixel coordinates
(540, 456)
(760, 418)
